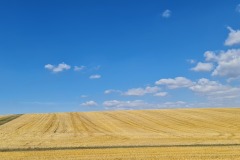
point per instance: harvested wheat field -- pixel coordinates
(146, 134)
(155, 153)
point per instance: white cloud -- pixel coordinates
(160, 94)
(89, 103)
(167, 13)
(178, 82)
(109, 91)
(79, 68)
(59, 68)
(141, 91)
(203, 67)
(83, 96)
(191, 61)
(210, 56)
(214, 89)
(115, 104)
(204, 87)
(233, 37)
(95, 76)
(140, 104)
(227, 63)
(135, 91)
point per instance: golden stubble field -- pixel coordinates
(146, 134)
(157, 153)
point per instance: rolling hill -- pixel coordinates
(121, 130)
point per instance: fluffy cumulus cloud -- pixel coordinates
(95, 76)
(233, 37)
(141, 91)
(210, 56)
(172, 83)
(227, 63)
(204, 87)
(167, 13)
(89, 103)
(59, 68)
(203, 67)
(214, 89)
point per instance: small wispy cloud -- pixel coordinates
(109, 91)
(191, 61)
(140, 104)
(89, 103)
(167, 13)
(83, 96)
(141, 91)
(161, 94)
(95, 76)
(116, 104)
(238, 8)
(59, 68)
(79, 68)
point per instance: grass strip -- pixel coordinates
(109, 147)
(7, 119)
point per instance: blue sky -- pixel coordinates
(64, 56)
